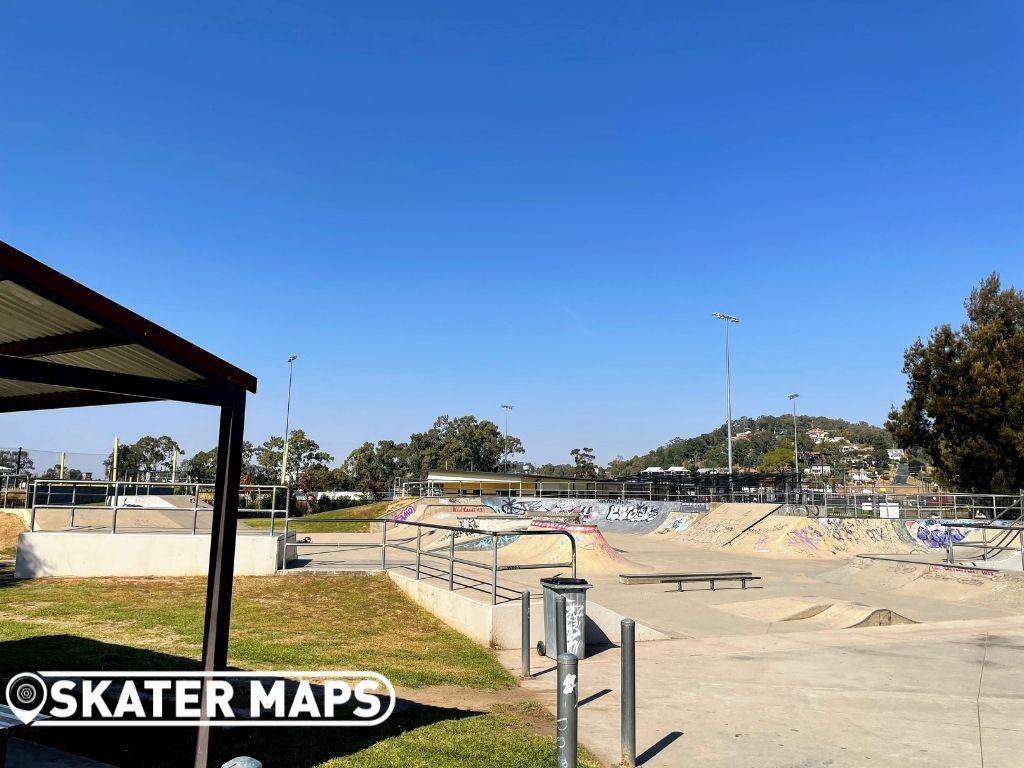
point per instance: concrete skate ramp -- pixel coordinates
(824, 538)
(783, 536)
(675, 523)
(594, 555)
(723, 523)
(953, 583)
(801, 613)
(85, 518)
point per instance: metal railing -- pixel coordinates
(948, 506)
(1000, 542)
(14, 491)
(114, 497)
(446, 554)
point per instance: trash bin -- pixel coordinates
(575, 593)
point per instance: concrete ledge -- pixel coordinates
(67, 553)
(498, 626)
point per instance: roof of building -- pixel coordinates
(63, 345)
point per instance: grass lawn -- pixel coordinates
(279, 622)
(309, 524)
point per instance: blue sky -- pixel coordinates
(442, 207)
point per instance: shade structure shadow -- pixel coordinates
(157, 747)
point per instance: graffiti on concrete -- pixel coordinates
(483, 543)
(406, 513)
(544, 507)
(632, 511)
(933, 535)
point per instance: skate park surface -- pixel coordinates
(858, 646)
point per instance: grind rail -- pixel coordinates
(446, 554)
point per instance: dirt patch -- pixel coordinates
(10, 526)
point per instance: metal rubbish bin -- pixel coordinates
(575, 593)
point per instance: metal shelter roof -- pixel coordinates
(64, 345)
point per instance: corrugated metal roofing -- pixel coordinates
(29, 316)
(49, 319)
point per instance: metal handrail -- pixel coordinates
(984, 545)
(450, 557)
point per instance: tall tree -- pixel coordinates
(966, 393)
(146, 455)
(584, 460)
(12, 462)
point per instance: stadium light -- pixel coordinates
(505, 446)
(796, 459)
(728, 320)
(287, 415)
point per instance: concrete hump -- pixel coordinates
(798, 613)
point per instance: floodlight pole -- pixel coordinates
(505, 446)
(796, 456)
(728, 320)
(287, 415)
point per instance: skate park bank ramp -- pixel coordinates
(719, 527)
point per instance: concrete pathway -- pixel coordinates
(940, 694)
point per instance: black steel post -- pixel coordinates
(627, 686)
(223, 531)
(525, 597)
(566, 724)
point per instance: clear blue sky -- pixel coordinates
(442, 207)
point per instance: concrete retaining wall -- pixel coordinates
(499, 626)
(66, 553)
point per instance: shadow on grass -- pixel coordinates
(300, 747)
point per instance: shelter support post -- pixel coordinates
(222, 553)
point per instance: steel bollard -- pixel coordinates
(568, 697)
(526, 633)
(627, 684)
(559, 625)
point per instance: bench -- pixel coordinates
(687, 578)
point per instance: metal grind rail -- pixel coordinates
(1005, 533)
(448, 556)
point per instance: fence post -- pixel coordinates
(494, 568)
(384, 546)
(559, 625)
(525, 597)
(451, 563)
(627, 683)
(566, 725)
(419, 539)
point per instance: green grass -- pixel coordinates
(277, 622)
(7, 553)
(309, 524)
(509, 736)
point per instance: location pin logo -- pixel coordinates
(26, 696)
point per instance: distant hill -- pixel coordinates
(766, 434)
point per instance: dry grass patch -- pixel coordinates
(10, 526)
(310, 524)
